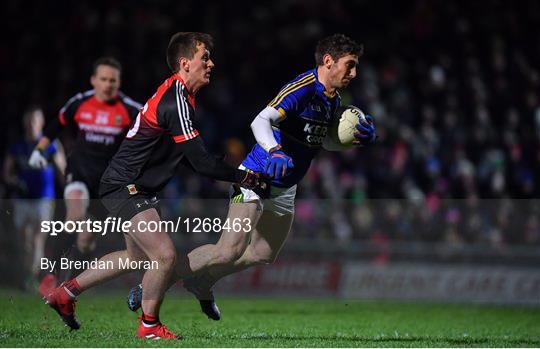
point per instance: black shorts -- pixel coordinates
(125, 201)
(90, 178)
(88, 171)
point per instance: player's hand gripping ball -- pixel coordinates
(351, 127)
(365, 134)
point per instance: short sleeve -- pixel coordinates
(52, 148)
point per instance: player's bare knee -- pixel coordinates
(75, 198)
(75, 211)
(136, 256)
(167, 259)
(75, 195)
(76, 204)
(75, 214)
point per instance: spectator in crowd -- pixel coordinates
(33, 190)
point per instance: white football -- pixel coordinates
(341, 132)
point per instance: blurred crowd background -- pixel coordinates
(453, 86)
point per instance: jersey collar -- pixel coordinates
(190, 97)
(326, 93)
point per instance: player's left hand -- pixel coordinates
(365, 132)
(250, 180)
(257, 182)
(263, 186)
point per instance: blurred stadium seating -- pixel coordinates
(454, 88)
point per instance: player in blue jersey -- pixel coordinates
(32, 189)
(289, 134)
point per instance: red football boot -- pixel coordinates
(60, 300)
(47, 284)
(154, 332)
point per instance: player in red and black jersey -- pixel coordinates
(98, 120)
(162, 136)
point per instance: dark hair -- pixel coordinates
(110, 61)
(184, 44)
(337, 46)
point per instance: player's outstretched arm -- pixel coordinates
(262, 128)
(209, 165)
(54, 127)
(37, 159)
(278, 162)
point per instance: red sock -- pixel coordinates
(150, 320)
(72, 288)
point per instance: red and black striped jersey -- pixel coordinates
(100, 126)
(148, 156)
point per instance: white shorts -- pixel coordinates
(281, 200)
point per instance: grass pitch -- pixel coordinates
(26, 321)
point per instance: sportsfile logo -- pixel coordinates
(98, 227)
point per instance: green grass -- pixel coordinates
(106, 322)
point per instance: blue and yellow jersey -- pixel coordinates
(306, 112)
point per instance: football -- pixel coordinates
(341, 132)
